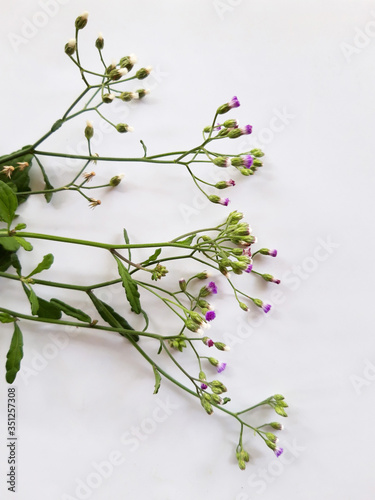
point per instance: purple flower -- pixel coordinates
(203, 386)
(247, 160)
(246, 251)
(247, 129)
(224, 201)
(266, 307)
(230, 182)
(274, 280)
(212, 288)
(217, 126)
(234, 102)
(278, 451)
(273, 253)
(221, 367)
(210, 315)
(210, 343)
(249, 268)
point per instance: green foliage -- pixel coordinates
(131, 289)
(20, 179)
(14, 356)
(71, 311)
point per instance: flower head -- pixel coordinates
(234, 103)
(94, 202)
(210, 315)
(278, 451)
(22, 165)
(221, 367)
(212, 287)
(266, 307)
(8, 171)
(88, 176)
(249, 268)
(204, 386)
(224, 201)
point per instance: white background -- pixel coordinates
(310, 62)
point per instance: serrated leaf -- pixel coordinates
(6, 318)
(42, 266)
(131, 289)
(153, 257)
(71, 311)
(157, 379)
(112, 317)
(15, 355)
(187, 241)
(23, 243)
(8, 203)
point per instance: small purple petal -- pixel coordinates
(247, 129)
(234, 102)
(221, 367)
(210, 343)
(273, 253)
(212, 287)
(210, 315)
(217, 127)
(266, 307)
(276, 281)
(224, 201)
(247, 161)
(278, 451)
(249, 268)
(204, 386)
(231, 182)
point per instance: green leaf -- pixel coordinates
(9, 243)
(20, 180)
(112, 317)
(187, 241)
(144, 148)
(153, 257)
(57, 125)
(157, 379)
(8, 203)
(47, 184)
(14, 260)
(127, 241)
(33, 301)
(131, 289)
(71, 311)
(45, 309)
(5, 258)
(14, 356)
(6, 318)
(42, 266)
(19, 227)
(23, 243)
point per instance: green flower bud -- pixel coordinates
(128, 62)
(89, 130)
(278, 397)
(115, 181)
(257, 153)
(246, 171)
(202, 276)
(203, 304)
(213, 361)
(116, 74)
(280, 411)
(182, 284)
(107, 98)
(234, 217)
(99, 43)
(243, 306)
(237, 161)
(197, 318)
(215, 398)
(70, 47)
(123, 128)
(81, 20)
(271, 437)
(232, 123)
(221, 346)
(206, 405)
(271, 445)
(257, 163)
(202, 376)
(221, 161)
(234, 133)
(241, 464)
(206, 130)
(276, 425)
(143, 73)
(142, 93)
(282, 404)
(191, 325)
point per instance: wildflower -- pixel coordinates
(89, 130)
(260, 303)
(225, 184)
(237, 132)
(212, 287)
(70, 47)
(221, 346)
(277, 426)
(210, 315)
(115, 181)
(123, 127)
(221, 201)
(224, 108)
(81, 20)
(128, 62)
(143, 72)
(94, 202)
(221, 161)
(269, 277)
(89, 176)
(278, 451)
(22, 165)
(242, 161)
(8, 171)
(267, 251)
(249, 268)
(232, 123)
(221, 367)
(99, 43)
(116, 73)
(108, 98)
(204, 386)
(140, 93)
